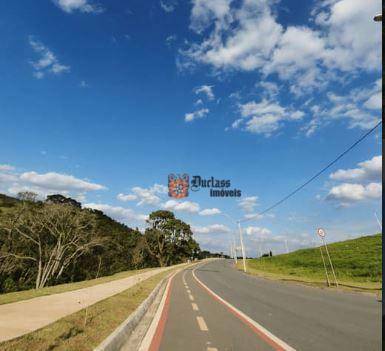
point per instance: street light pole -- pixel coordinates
(235, 244)
(242, 246)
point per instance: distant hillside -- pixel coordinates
(7, 201)
(357, 261)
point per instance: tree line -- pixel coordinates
(57, 241)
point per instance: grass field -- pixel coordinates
(357, 262)
(49, 290)
(76, 333)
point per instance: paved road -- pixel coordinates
(301, 317)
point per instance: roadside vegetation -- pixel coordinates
(56, 241)
(86, 329)
(357, 262)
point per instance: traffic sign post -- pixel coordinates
(322, 235)
(326, 271)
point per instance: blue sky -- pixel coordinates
(101, 98)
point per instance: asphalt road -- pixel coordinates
(301, 317)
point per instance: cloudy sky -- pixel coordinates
(101, 100)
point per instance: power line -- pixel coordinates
(314, 176)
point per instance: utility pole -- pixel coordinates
(378, 221)
(287, 248)
(242, 246)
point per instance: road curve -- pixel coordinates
(215, 307)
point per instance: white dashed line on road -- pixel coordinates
(191, 297)
(195, 306)
(202, 324)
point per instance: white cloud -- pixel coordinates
(257, 231)
(348, 193)
(128, 197)
(84, 6)
(45, 184)
(149, 196)
(170, 39)
(241, 38)
(168, 6)
(121, 214)
(353, 37)
(374, 100)
(257, 216)
(245, 35)
(213, 228)
(367, 170)
(7, 178)
(210, 212)
(53, 180)
(265, 117)
(270, 89)
(248, 203)
(297, 54)
(360, 108)
(204, 12)
(145, 196)
(184, 206)
(189, 117)
(47, 62)
(4, 167)
(207, 90)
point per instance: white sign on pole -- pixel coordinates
(321, 232)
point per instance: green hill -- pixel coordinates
(357, 262)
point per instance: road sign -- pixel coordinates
(321, 232)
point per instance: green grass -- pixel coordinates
(49, 290)
(72, 333)
(357, 262)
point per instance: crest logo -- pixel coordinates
(178, 185)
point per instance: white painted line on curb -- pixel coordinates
(146, 342)
(194, 306)
(202, 323)
(259, 329)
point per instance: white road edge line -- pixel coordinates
(147, 339)
(278, 341)
(202, 324)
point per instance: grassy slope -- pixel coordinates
(71, 332)
(357, 262)
(49, 290)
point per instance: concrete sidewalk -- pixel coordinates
(23, 317)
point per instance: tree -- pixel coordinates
(168, 239)
(27, 196)
(60, 199)
(48, 238)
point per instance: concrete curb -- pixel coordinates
(119, 336)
